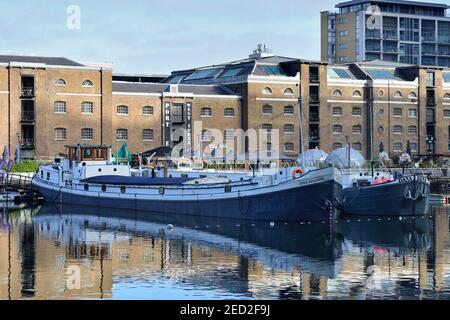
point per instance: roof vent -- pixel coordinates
(261, 51)
(173, 88)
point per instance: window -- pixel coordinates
(413, 146)
(398, 112)
(60, 134)
(337, 111)
(337, 145)
(228, 112)
(343, 20)
(398, 94)
(343, 33)
(289, 147)
(398, 129)
(343, 46)
(60, 82)
(357, 129)
(398, 147)
(288, 128)
(412, 113)
(147, 110)
(288, 92)
(122, 110)
(206, 135)
(380, 129)
(381, 93)
(87, 134)
(288, 110)
(337, 93)
(337, 129)
(122, 135)
(412, 130)
(87, 83)
(357, 146)
(269, 146)
(87, 107)
(343, 59)
(381, 111)
(357, 94)
(147, 135)
(447, 96)
(447, 113)
(206, 112)
(267, 127)
(412, 95)
(229, 134)
(60, 107)
(267, 110)
(356, 111)
(267, 90)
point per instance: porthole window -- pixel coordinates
(381, 93)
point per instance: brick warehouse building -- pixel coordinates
(46, 103)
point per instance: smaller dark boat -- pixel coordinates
(401, 196)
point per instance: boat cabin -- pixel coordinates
(82, 153)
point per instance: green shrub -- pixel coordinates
(25, 166)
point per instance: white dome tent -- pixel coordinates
(312, 159)
(339, 158)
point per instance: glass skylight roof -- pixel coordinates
(204, 74)
(231, 72)
(338, 73)
(176, 78)
(446, 76)
(273, 70)
(381, 74)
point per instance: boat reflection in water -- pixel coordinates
(131, 255)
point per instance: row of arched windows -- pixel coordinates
(358, 94)
(286, 92)
(85, 83)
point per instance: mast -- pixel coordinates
(300, 124)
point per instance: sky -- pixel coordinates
(159, 36)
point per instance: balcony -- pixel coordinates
(313, 77)
(429, 39)
(28, 116)
(373, 34)
(27, 143)
(373, 48)
(314, 137)
(314, 117)
(27, 92)
(390, 36)
(390, 49)
(444, 40)
(314, 99)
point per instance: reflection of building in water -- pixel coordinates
(36, 254)
(405, 259)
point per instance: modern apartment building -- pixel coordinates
(397, 31)
(47, 103)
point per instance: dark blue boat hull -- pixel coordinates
(387, 200)
(311, 203)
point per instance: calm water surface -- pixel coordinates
(131, 255)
